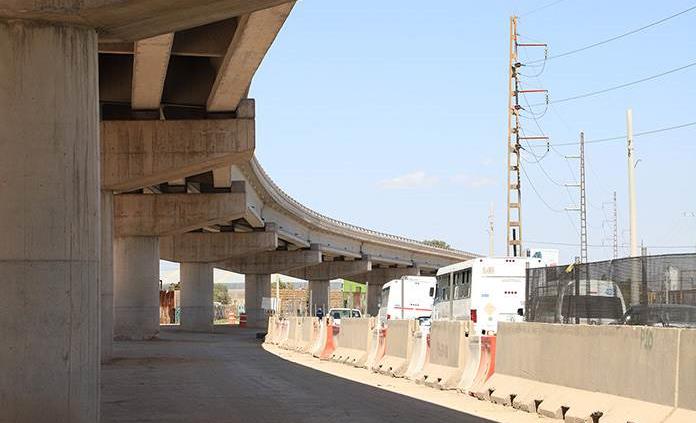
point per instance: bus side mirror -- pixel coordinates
(432, 292)
(520, 312)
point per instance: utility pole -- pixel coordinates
(616, 229)
(583, 199)
(583, 202)
(491, 226)
(514, 136)
(632, 219)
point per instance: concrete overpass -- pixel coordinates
(127, 136)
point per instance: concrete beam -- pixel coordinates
(376, 278)
(271, 262)
(136, 154)
(380, 276)
(200, 247)
(149, 70)
(252, 39)
(331, 270)
(130, 20)
(170, 214)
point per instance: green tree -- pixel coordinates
(437, 243)
(220, 293)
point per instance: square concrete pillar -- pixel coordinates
(49, 221)
(136, 288)
(256, 286)
(319, 291)
(197, 312)
(374, 297)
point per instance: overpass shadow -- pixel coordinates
(227, 376)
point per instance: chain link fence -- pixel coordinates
(647, 290)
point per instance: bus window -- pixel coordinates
(462, 284)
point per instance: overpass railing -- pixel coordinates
(647, 290)
(321, 218)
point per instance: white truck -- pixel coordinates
(410, 297)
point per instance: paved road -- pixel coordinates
(227, 377)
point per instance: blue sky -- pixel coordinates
(392, 115)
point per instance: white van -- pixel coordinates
(485, 290)
(410, 297)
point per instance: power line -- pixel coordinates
(617, 87)
(570, 244)
(538, 9)
(617, 37)
(529, 180)
(623, 137)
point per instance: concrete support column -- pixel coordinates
(197, 312)
(49, 220)
(107, 275)
(319, 294)
(136, 288)
(374, 296)
(256, 286)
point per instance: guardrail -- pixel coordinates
(327, 222)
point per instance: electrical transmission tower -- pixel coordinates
(515, 135)
(616, 229)
(583, 200)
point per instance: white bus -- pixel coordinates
(485, 290)
(410, 297)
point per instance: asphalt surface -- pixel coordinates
(228, 377)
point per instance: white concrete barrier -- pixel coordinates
(419, 355)
(309, 331)
(471, 369)
(281, 331)
(686, 392)
(580, 373)
(270, 334)
(320, 342)
(449, 355)
(294, 331)
(377, 347)
(353, 343)
(398, 348)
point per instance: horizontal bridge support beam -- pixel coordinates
(137, 154)
(332, 270)
(202, 247)
(380, 276)
(271, 262)
(169, 214)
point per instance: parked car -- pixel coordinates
(668, 315)
(343, 313)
